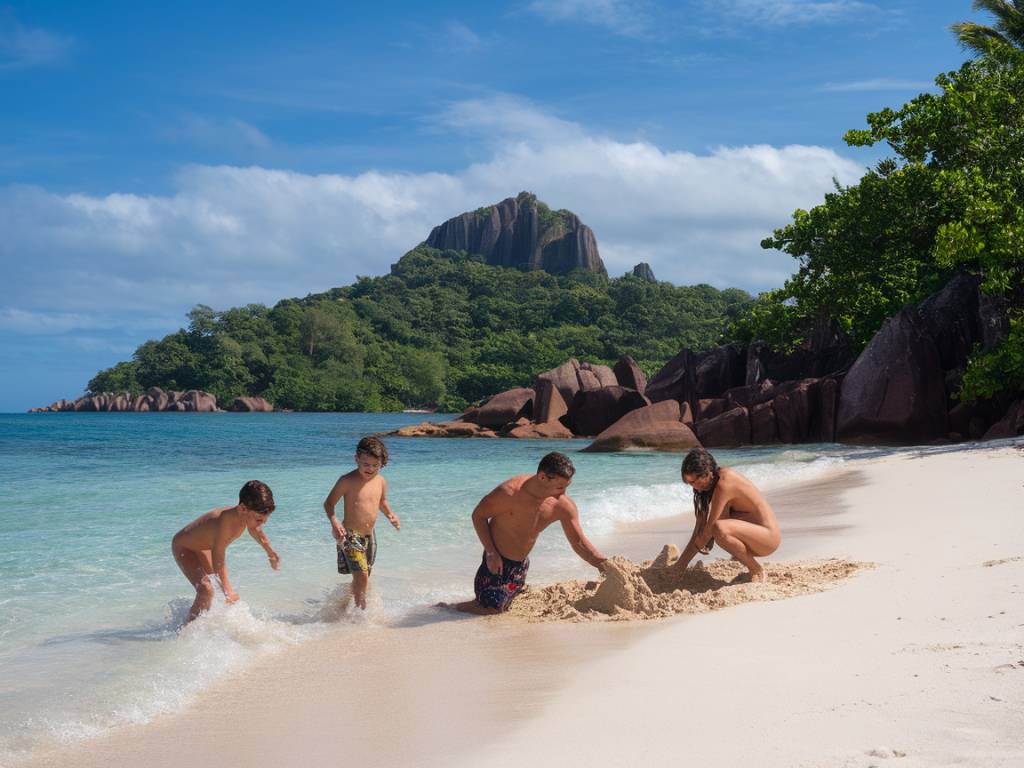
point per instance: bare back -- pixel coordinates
(217, 527)
(517, 517)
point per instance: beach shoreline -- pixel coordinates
(919, 659)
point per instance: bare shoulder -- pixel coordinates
(346, 480)
(565, 508)
(511, 486)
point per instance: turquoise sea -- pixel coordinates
(92, 603)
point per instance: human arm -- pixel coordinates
(337, 492)
(386, 508)
(706, 533)
(581, 545)
(488, 507)
(218, 556)
(261, 538)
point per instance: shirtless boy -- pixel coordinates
(365, 493)
(508, 521)
(730, 511)
(200, 547)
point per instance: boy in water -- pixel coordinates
(731, 512)
(365, 494)
(200, 547)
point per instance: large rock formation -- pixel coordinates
(895, 392)
(155, 399)
(655, 427)
(522, 232)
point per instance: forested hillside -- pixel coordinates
(442, 330)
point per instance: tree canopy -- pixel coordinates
(949, 199)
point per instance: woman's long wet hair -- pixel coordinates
(700, 462)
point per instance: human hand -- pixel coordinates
(337, 530)
(396, 522)
(275, 560)
(493, 560)
(230, 596)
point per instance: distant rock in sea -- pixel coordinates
(522, 232)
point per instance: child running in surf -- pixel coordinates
(365, 494)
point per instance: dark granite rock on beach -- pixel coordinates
(655, 427)
(548, 403)
(1011, 425)
(522, 232)
(605, 375)
(729, 430)
(564, 379)
(720, 369)
(628, 374)
(251, 405)
(676, 380)
(894, 392)
(593, 411)
(505, 407)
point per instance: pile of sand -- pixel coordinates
(651, 590)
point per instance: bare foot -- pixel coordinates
(759, 576)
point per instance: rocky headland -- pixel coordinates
(156, 399)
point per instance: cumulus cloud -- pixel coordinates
(23, 47)
(623, 17)
(228, 235)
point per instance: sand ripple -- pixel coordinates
(650, 591)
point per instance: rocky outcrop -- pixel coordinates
(644, 272)
(728, 430)
(251, 405)
(444, 429)
(155, 399)
(895, 391)
(676, 380)
(628, 374)
(1011, 425)
(655, 427)
(522, 232)
(504, 407)
(593, 411)
(564, 379)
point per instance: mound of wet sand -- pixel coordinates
(651, 590)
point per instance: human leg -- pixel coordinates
(197, 567)
(743, 540)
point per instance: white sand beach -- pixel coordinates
(916, 661)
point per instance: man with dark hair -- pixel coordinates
(508, 521)
(200, 548)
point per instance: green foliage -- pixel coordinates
(1000, 370)
(949, 200)
(442, 330)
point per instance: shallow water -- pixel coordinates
(92, 601)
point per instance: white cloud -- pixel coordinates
(793, 12)
(462, 38)
(879, 84)
(218, 132)
(229, 236)
(623, 17)
(23, 47)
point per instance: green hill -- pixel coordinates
(443, 330)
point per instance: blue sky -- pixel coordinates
(153, 157)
